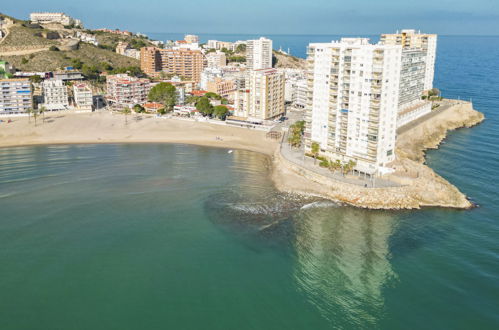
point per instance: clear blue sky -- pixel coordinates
(275, 16)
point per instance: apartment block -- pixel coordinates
(353, 100)
(263, 97)
(191, 39)
(127, 91)
(222, 87)
(83, 96)
(55, 94)
(60, 18)
(412, 39)
(183, 62)
(259, 54)
(216, 59)
(16, 96)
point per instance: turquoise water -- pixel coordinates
(182, 237)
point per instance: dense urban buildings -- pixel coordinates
(259, 54)
(222, 87)
(16, 96)
(263, 97)
(183, 62)
(55, 94)
(411, 39)
(60, 18)
(353, 101)
(127, 91)
(216, 59)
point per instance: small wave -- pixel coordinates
(319, 204)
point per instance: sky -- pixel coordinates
(446, 17)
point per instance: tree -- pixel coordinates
(29, 111)
(138, 108)
(315, 148)
(126, 111)
(204, 106)
(164, 93)
(220, 112)
(77, 63)
(213, 96)
(35, 79)
(35, 114)
(42, 111)
(334, 166)
(241, 48)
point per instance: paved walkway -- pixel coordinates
(444, 106)
(297, 157)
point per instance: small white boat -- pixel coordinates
(229, 152)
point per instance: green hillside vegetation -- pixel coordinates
(110, 41)
(54, 60)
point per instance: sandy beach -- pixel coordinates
(105, 127)
(419, 185)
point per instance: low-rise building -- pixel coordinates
(83, 97)
(124, 90)
(55, 94)
(16, 96)
(59, 18)
(191, 39)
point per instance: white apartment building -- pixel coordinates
(415, 39)
(191, 39)
(263, 97)
(83, 96)
(47, 18)
(353, 101)
(216, 59)
(55, 94)
(259, 54)
(16, 96)
(127, 91)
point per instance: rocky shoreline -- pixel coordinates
(420, 185)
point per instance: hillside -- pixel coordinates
(27, 48)
(282, 60)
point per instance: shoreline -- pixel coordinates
(427, 189)
(420, 186)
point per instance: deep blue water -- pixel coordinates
(182, 237)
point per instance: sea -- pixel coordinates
(171, 236)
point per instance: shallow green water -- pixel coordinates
(183, 237)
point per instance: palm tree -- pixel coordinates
(334, 166)
(315, 148)
(29, 111)
(126, 111)
(42, 111)
(35, 114)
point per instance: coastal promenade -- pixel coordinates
(297, 156)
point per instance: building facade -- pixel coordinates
(60, 18)
(191, 39)
(222, 87)
(55, 94)
(263, 97)
(83, 97)
(216, 59)
(16, 96)
(127, 91)
(259, 54)
(353, 97)
(412, 39)
(183, 62)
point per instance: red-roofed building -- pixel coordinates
(153, 106)
(199, 93)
